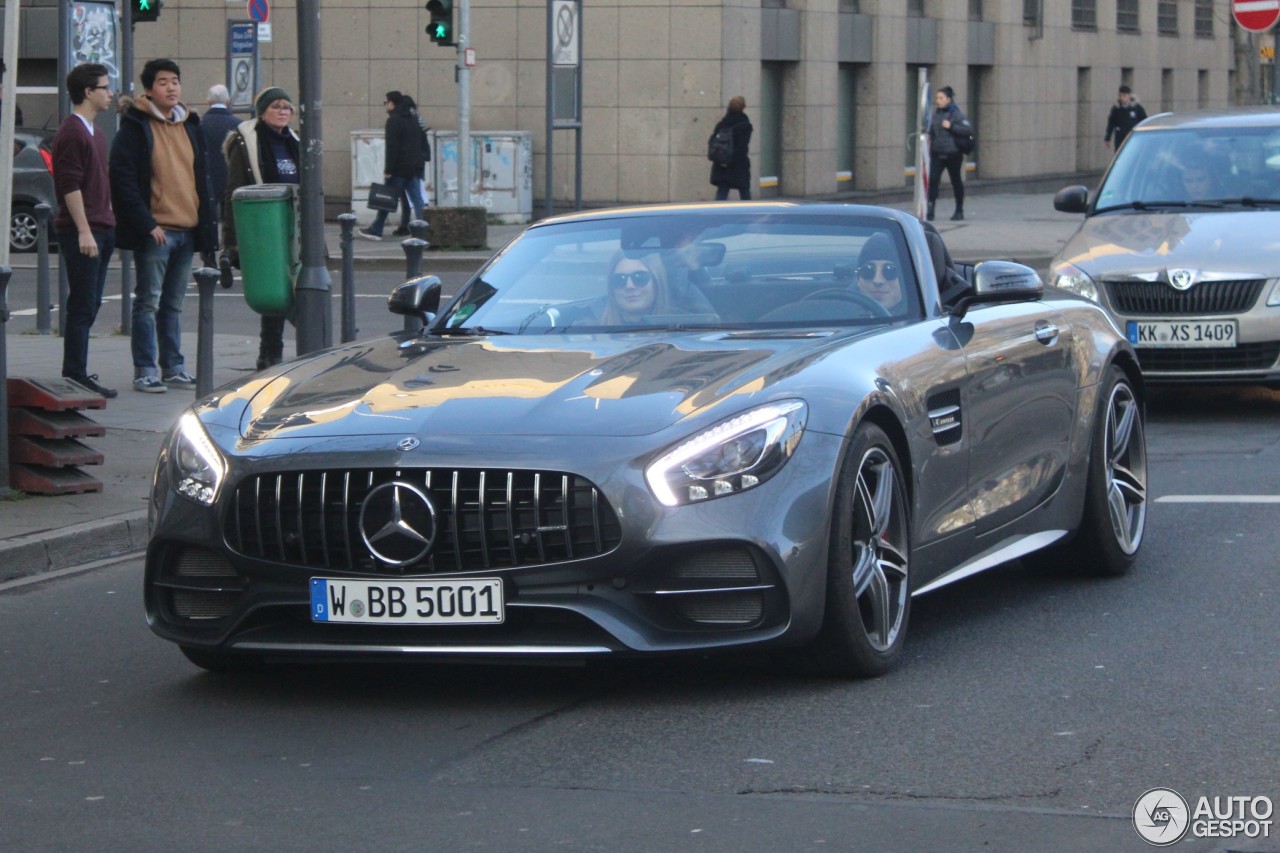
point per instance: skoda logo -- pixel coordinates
(1181, 279)
(407, 444)
(398, 523)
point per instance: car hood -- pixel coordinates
(1114, 244)
(519, 385)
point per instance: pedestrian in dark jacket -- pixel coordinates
(85, 224)
(736, 174)
(215, 124)
(164, 214)
(947, 123)
(263, 150)
(1125, 115)
(403, 159)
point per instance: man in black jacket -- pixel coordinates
(1124, 116)
(403, 160)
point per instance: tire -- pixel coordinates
(1115, 503)
(23, 234)
(221, 661)
(868, 582)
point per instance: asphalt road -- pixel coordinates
(1030, 712)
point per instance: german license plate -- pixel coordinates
(476, 601)
(1193, 333)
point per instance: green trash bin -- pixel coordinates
(266, 225)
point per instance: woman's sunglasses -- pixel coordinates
(888, 270)
(640, 278)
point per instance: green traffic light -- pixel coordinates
(441, 31)
(144, 5)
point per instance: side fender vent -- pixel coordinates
(945, 417)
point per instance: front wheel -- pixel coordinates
(868, 579)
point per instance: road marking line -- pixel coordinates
(1219, 499)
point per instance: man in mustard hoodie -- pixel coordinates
(164, 214)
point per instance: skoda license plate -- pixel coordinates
(476, 601)
(1192, 333)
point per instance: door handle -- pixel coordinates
(1046, 333)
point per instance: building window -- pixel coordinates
(850, 6)
(1031, 12)
(1127, 16)
(1204, 19)
(1084, 14)
(975, 10)
(915, 8)
(1167, 18)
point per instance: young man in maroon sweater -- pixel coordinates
(85, 223)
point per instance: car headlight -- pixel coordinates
(198, 467)
(1274, 299)
(730, 457)
(1068, 277)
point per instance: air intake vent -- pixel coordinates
(717, 564)
(1154, 299)
(944, 417)
(197, 563)
(722, 608)
(484, 519)
(1243, 357)
(201, 604)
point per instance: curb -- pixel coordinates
(62, 548)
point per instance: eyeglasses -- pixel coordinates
(286, 107)
(96, 88)
(640, 278)
(888, 270)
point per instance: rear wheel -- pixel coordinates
(868, 582)
(22, 228)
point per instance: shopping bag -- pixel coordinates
(383, 197)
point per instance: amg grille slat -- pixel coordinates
(485, 519)
(1140, 298)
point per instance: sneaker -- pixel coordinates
(401, 232)
(182, 380)
(91, 382)
(369, 235)
(149, 385)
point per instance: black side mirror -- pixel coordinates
(417, 297)
(1072, 200)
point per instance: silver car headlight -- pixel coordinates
(198, 467)
(1274, 299)
(730, 457)
(1072, 278)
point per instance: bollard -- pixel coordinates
(419, 228)
(413, 249)
(5, 491)
(206, 281)
(127, 282)
(347, 221)
(44, 304)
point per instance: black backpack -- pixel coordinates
(966, 144)
(720, 146)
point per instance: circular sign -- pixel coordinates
(260, 11)
(1256, 16)
(1161, 817)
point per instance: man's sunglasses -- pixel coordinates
(888, 270)
(640, 278)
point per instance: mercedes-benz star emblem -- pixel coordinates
(407, 444)
(398, 523)
(1181, 279)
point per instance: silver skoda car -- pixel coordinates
(1179, 245)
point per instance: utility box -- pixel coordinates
(501, 173)
(368, 158)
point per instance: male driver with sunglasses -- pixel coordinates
(879, 272)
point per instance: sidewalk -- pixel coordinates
(45, 533)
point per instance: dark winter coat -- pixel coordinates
(216, 123)
(1124, 119)
(736, 174)
(404, 140)
(131, 183)
(247, 153)
(942, 140)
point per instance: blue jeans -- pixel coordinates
(86, 278)
(410, 186)
(163, 272)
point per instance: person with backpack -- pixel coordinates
(727, 149)
(949, 134)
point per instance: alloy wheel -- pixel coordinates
(1126, 455)
(879, 550)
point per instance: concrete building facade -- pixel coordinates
(830, 85)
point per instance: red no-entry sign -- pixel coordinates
(1256, 16)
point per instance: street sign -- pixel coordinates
(1256, 16)
(260, 11)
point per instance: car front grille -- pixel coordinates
(484, 519)
(1140, 298)
(1244, 357)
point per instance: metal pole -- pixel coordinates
(413, 249)
(347, 221)
(1275, 67)
(7, 116)
(44, 321)
(312, 292)
(464, 105)
(206, 279)
(551, 122)
(5, 273)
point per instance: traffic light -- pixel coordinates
(441, 27)
(144, 10)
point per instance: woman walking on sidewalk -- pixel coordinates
(948, 123)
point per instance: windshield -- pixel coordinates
(1190, 167)
(678, 270)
